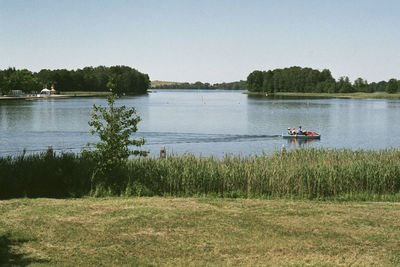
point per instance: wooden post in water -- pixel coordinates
(163, 153)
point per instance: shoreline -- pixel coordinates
(357, 95)
(70, 94)
(30, 97)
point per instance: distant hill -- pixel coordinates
(238, 85)
(155, 84)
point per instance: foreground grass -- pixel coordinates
(197, 231)
(358, 95)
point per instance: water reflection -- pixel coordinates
(15, 114)
(300, 143)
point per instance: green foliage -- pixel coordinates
(45, 175)
(114, 126)
(392, 86)
(24, 80)
(293, 79)
(239, 85)
(129, 80)
(377, 87)
(300, 174)
(361, 85)
(344, 85)
(307, 80)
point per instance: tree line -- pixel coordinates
(238, 85)
(126, 79)
(307, 80)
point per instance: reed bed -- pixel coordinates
(303, 174)
(45, 175)
(299, 174)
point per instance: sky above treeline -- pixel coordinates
(209, 40)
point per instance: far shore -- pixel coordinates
(68, 94)
(32, 97)
(62, 95)
(358, 95)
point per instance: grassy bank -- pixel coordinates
(155, 84)
(300, 174)
(357, 95)
(197, 231)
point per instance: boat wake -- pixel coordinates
(154, 138)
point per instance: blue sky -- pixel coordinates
(209, 41)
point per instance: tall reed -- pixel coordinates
(45, 175)
(301, 174)
(305, 174)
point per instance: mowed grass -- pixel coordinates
(198, 231)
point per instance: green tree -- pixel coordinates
(361, 85)
(255, 81)
(114, 126)
(293, 79)
(23, 80)
(392, 86)
(344, 85)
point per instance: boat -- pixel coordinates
(309, 135)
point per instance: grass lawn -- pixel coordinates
(197, 231)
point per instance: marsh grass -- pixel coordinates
(45, 175)
(319, 174)
(199, 231)
(300, 174)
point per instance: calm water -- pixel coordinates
(205, 122)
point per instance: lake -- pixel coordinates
(204, 122)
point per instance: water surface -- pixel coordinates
(206, 122)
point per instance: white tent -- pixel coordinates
(45, 91)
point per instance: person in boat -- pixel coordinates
(289, 131)
(294, 131)
(301, 131)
